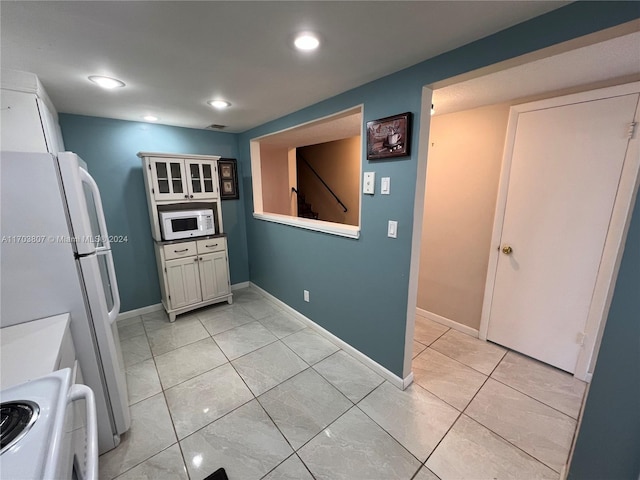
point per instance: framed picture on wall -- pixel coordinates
(389, 137)
(228, 176)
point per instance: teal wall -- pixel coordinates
(109, 147)
(359, 288)
(608, 444)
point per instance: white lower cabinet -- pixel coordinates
(214, 279)
(193, 274)
(184, 282)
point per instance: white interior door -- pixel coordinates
(565, 168)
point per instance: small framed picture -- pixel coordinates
(226, 171)
(228, 176)
(389, 137)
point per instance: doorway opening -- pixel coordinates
(464, 141)
(448, 364)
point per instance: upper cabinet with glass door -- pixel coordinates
(183, 179)
(203, 182)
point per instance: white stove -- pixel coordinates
(48, 420)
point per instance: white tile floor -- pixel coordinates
(251, 389)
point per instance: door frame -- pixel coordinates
(616, 235)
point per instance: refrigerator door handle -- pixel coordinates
(102, 223)
(105, 249)
(113, 284)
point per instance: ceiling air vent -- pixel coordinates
(215, 126)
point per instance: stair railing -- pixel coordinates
(323, 182)
(303, 201)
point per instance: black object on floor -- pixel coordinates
(219, 474)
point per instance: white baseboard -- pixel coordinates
(237, 286)
(158, 306)
(447, 322)
(140, 311)
(401, 383)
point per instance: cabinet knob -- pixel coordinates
(190, 196)
(186, 196)
(195, 259)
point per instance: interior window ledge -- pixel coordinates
(339, 229)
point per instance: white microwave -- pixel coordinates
(179, 224)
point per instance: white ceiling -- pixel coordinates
(610, 59)
(174, 56)
(600, 61)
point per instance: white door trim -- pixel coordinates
(616, 235)
(416, 237)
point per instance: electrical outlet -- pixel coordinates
(306, 295)
(369, 183)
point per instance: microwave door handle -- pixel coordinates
(102, 223)
(113, 283)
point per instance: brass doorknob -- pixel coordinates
(507, 250)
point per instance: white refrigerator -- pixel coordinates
(55, 257)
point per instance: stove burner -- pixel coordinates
(15, 421)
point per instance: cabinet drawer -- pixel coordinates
(179, 250)
(212, 245)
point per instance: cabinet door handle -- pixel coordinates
(183, 250)
(211, 246)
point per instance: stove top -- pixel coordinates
(16, 418)
(40, 450)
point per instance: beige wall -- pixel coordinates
(338, 163)
(463, 171)
(276, 192)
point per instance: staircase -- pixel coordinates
(304, 208)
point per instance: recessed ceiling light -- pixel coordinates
(219, 103)
(150, 118)
(106, 82)
(306, 41)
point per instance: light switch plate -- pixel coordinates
(392, 229)
(385, 185)
(369, 183)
